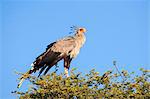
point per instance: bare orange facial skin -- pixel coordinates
(82, 30)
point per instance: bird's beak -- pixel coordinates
(85, 30)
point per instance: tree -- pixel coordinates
(90, 86)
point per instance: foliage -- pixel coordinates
(91, 86)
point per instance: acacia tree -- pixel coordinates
(90, 86)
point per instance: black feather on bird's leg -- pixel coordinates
(67, 62)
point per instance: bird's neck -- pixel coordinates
(80, 37)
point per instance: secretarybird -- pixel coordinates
(64, 49)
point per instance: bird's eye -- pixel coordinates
(82, 30)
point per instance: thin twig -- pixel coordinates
(114, 63)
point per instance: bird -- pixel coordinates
(63, 49)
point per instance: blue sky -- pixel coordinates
(116, 30)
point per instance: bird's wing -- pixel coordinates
(54, 53)
(64, 45)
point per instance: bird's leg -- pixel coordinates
(67, 61)
(66, 72)
(56, 67)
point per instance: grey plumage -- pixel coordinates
(66, 49)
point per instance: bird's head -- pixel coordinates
(81, 30)
(78, 30)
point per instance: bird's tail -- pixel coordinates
(25, 76)
(22, 78)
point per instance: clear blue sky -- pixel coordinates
(117, 30)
